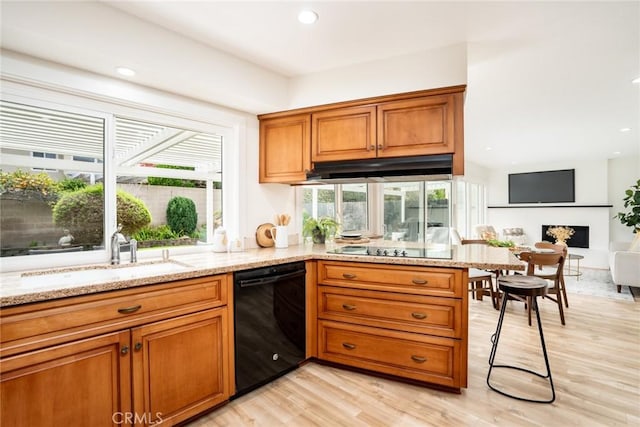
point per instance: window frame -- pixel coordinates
(231, 131)
(375, 199)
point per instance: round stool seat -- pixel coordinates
(526, 286)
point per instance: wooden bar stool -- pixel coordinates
(529, 287)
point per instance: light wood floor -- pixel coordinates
(595, 363)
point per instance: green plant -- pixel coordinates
(82, 212)
(174, 182)
(25, 185)
(71, 184)
(319, 228)
(182, 217)
(158, 232)
(501, 243)
(631, 200)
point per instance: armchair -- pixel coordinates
(624, 262)
(516, 235)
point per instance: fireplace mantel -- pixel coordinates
(548, 206)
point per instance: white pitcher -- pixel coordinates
(280, 236)
(220, 240)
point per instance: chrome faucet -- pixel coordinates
(115, 245)
(133, 250)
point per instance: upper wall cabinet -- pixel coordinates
(343, 134)
(410, 124)
(285, 148)
(417, 127)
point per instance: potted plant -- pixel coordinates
(319, 228)
(631, 200)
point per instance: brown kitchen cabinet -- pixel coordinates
(410, 322)
(84, 382)
(285, 148)
(419, 127)
(344, 134)
(159, 352)
(408, 124)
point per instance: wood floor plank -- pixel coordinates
(594, 358)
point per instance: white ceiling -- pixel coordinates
(547, 81)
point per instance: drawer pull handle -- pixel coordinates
(348, 276)
(124, 350)
(138, 346)
(419, 281)
(129, 310)
(418, 359)
(418, 315)
(348, 346)
(349, 307)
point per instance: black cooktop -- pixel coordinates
(399, 252)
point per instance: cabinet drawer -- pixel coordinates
(424, 358)
(413, 313)
(434, 281)
(43, 324)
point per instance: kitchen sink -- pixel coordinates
(101, 273)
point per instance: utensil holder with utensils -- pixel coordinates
(280, 233)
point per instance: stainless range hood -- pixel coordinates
(417, 168)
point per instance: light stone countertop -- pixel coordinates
(34, 286)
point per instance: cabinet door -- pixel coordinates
(419, 126)
(85, 382)
(344, 134)
(285, 148)
(181, 366)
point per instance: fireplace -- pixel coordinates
(580, 238)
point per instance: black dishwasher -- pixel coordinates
(269, 319)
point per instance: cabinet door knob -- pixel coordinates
(348, 276)
(419, 315)
(129, 310)
(138, 346)
(380, 146)
(418, 359)
(124, 349)
(349, 307)
(419, 281)
(348, 346)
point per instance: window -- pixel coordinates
(417, 211)
(39, 172)
(410, 211)
(353, 207)
(160, 164)
(58, 195)
(41, 155)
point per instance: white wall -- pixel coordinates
(263, 201)
(426, 70)
(623, 173)
(591, 189)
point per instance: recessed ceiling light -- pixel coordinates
(488, 148)
(636, 80)
(615, 153)
(124, 71)
(307, 17)
(625, 129)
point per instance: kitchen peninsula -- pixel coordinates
(15, 292)
(404, 317)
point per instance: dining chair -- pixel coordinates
(481, 282)
(549, 272)
(553, 260)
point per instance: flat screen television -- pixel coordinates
(542, 187)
